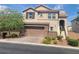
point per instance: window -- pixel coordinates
(53, 16)
(30, 15)
(51, 29)
(40, 14)
(49, 15)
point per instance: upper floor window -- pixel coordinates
(40, 14)
(51, 16)
(30, 15)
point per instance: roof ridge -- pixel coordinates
(28, 9)
(43, 6)
(49, 9)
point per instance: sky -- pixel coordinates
(71, 9)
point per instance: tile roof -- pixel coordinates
(49, 10)
(62, 15)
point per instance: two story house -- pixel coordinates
(43, 21)
(75, 24)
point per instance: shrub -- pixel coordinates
(47, 40)
(14, 35)
(54, 42)
(67, 38)
(59, 37)
(78, 39)
(72, 42)
(53, 38)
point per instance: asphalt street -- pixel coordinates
(12, 48)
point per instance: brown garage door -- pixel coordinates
(36, 31)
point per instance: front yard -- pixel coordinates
(46, 40)
(59, 41)
(69, 41)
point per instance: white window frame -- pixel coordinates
(50, 28)
(52, 16)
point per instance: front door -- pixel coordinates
(62, 25)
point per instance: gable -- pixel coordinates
(29, 10)
(40, 8)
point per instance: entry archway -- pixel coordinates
(62, 24)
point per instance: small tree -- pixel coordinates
(11, 21)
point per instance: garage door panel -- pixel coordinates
(36, 31)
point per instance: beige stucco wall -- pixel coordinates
(69, 28)
(44, 19)
(41, 8)
(75, 26)
(45, 16)
(54, 23)
(66, 28)
(30, 10)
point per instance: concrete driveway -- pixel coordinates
(26, 39)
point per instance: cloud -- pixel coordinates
(70, 18)
(3, 7)
(58, 7)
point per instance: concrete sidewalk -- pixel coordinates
(33, 43)
(23, 47)
(16, 47)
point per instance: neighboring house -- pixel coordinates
(69, 28)
(75, 24)
(42, 21)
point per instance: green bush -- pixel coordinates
(67, 38)
(14, 35)
(53, 38)
(47, 40)
(54, 42)
(59, 37)
(72, 42)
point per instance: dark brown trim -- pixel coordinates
(28, 9)
(62, 16)
(30, 12)
(49, 10)
(36, 23)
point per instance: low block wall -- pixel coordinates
(53, 34)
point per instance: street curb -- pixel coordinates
(36, 44)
